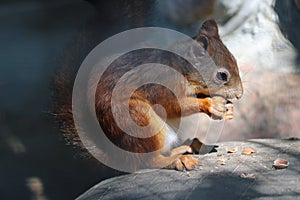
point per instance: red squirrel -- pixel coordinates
(210, 97)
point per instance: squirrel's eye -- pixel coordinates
(222, 75)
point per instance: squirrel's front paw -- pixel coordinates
(217, 107)
(220, 108)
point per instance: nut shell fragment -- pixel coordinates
(246, 175)
(280, 163)
(232, 150)
(248, 151)
(229, 111)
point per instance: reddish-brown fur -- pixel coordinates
(142, 100)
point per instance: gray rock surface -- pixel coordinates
(221, 175)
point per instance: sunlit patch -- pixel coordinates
(15, 144)
(36, 187)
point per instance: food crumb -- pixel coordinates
(248, 151)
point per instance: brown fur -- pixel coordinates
(142, 100)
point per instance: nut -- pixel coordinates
(248, 151)
(280, 163)
(229, 111)
(232, 150)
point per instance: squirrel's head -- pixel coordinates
(223, 78)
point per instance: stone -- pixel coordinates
(242, 177)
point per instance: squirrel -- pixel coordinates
(210, 97)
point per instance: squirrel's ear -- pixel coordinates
(209, 28)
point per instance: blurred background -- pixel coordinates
(39, 38)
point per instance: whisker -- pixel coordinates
(248, 92)
(245, 74)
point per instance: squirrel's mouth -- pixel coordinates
(201, 96)
(228, 95)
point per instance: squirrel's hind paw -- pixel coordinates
(187, 162)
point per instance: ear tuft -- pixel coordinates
(209, 28)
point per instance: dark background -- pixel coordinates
(34, 36)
